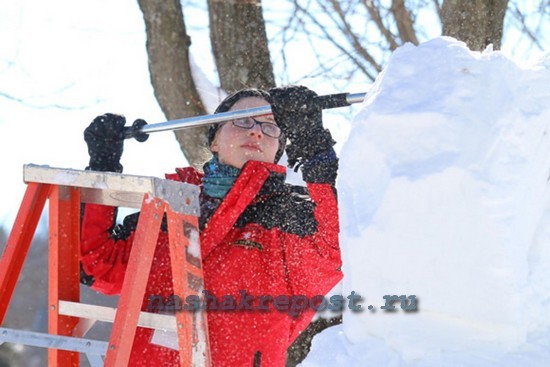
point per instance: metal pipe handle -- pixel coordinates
(140, 131)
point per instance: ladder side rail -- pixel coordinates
(184, 319)
(19, 241)
(63, 267)
(195, 285)
(135, 281)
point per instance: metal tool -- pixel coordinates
(140, 129)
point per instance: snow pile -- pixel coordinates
(445, 194)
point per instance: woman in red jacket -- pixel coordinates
(267, 244)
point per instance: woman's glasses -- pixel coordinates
(268, 128)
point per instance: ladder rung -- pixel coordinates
(87, 346)
(107, 314)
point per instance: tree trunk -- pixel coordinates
(239, 42)
(476, 22)
(301, 346)
(168, 51)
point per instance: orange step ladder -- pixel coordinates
(68, 319)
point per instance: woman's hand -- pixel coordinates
(105, 140)
(300, 117)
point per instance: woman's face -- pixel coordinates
(235, 146)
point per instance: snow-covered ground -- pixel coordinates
(444, 192)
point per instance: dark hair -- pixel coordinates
(230, 100)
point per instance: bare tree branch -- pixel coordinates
(337, 44)
(345, 28)
(521, 18)
(45, 106)
(375, 16)
(404, 22)
(287, 33)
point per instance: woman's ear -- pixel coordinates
(214, 147)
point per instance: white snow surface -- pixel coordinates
(444, 193)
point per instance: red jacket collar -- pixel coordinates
(192, 176)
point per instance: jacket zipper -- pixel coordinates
(257, 359)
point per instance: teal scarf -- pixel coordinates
(218, 178)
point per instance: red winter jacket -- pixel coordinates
(266, 238)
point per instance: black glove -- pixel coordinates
(300, 117)
(105, 140)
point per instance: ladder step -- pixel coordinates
(43, 340)
(107, 314)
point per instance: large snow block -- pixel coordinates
(445, 194)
